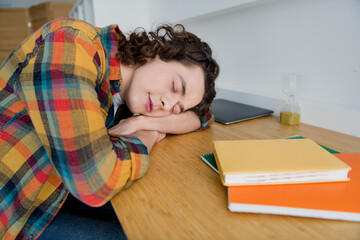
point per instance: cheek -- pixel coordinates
(195, 100)
(134, 101)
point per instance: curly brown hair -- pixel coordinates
(172, 44)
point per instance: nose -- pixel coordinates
(168, 103)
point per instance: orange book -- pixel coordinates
(336, 200)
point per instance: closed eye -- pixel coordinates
(173, 86)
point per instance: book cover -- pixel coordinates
(209, 159)
(301, 137)
(336, 200)
(276, 161)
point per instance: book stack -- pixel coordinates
(289, 177)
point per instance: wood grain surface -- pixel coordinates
(180, 197)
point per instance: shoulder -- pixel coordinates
(80, 27)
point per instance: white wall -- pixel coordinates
(175, 11)
(318, 39)
(127, 14)
(255, 44)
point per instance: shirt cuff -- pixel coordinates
(206, 120)
(133, 150)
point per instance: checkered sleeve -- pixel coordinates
(62, 96)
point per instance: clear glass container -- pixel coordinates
(290, 112)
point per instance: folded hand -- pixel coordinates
(127, 126)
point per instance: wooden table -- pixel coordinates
(180, 197)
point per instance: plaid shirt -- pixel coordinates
(55, 100)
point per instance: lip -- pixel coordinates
(149, 104)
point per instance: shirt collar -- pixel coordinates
(110, 36)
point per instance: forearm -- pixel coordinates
(174, 123)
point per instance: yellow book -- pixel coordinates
(280, 161)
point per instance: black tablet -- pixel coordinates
(227, 112)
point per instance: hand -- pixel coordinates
(149, 137)
(127, 126)
(173, 123)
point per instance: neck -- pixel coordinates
(127, 73)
